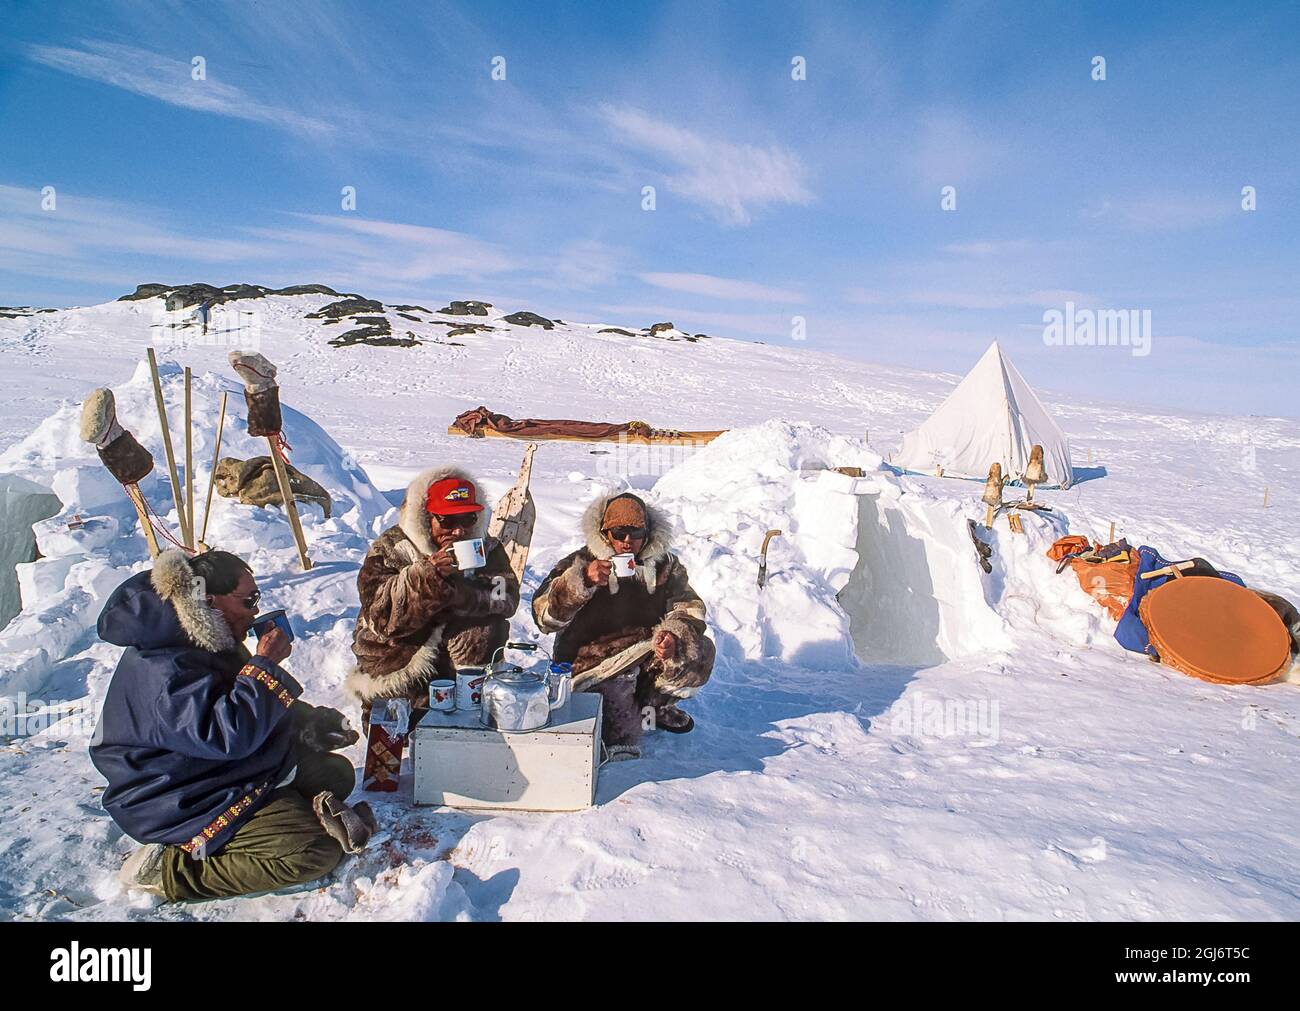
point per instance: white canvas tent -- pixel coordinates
(992, 416)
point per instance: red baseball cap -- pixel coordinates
(450, 497)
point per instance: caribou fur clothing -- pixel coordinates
(594, 623)
(415, 625)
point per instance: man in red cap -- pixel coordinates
(421, 617)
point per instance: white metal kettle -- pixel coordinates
(516, 701)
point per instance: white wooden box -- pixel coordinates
(460, 763)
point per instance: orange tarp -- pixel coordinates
(1110, 584)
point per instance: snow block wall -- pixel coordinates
(22, 503)
(62, 593)
(863, 567)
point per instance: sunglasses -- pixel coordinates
(461, 521)
(251, 601)
(626, 533)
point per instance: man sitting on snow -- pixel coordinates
(598, 616)
(420, 617)
(210, 758)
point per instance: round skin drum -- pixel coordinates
(1217, 631)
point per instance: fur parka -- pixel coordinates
(414, 625)
(594, 623)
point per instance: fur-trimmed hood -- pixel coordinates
(413, 517)
(163, 609)
(654, 552)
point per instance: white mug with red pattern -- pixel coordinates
(442, 695)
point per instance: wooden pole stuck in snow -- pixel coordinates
(290, 504)
(212, 477)
(189, 455)
(136, 496)
(1111, 538)
(186, 535)
(1265, 498)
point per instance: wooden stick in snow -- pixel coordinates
(189, 455)
(212, 476)
(290, 503)
(186, 535)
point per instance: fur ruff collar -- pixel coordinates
(173, 580)
(653, 553)
(413, 517)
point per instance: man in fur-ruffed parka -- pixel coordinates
(421, 617)
(596, 615)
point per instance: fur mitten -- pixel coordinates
(350, 827)
(321, 728)
(118, 449)
(261, 393)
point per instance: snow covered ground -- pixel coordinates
(987, 752)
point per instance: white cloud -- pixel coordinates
(721, 287)
(1165, 212)
(404, 252)
(83, 227)
(168, 80)
(730, 180)
(962, 299)
(991, 248)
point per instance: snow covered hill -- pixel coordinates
(889, 732)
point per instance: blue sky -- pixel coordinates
(775, 198)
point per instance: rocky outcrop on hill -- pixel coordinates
(182, 296)
(371, 321)
(529, 319)
(377, 332)
(659, 331)
(349, 306)
(18, 311)
(469, 307)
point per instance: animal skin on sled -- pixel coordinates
(482, 423)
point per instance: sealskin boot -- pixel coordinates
(673, 720)
(350, 827)
(143, 869)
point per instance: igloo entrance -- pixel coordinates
(915, 597)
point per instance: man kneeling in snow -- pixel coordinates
(598, 616)
(210, 758)
(421, 617)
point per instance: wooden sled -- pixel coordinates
(658, 437)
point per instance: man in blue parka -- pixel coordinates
(211, 759)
